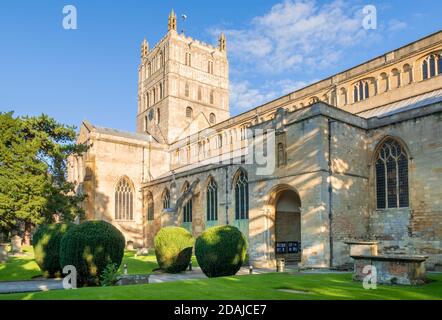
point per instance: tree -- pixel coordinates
(33, 162)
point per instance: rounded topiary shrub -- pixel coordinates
(173, 249)
(90, 247)
(221, 251)
(46, 242)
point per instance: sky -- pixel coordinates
(274, 47)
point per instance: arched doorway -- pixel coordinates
(288, 226)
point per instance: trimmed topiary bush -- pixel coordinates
(46, 242)
(173, 249)
(91, 247)
(221, 251)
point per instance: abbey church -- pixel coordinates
(354, 157)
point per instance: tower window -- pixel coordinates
(124, 200)
(210, 67)
(158, 116)
(199, 93)
(186, 90)
(211, 96)
(150, 114)
(212, 118)
(189, 112)
(188, 61)
(391, 176)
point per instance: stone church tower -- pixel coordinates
(183, 86)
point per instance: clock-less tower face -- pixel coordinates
(181, 81)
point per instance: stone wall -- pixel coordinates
(417, 230)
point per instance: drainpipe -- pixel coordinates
(330, 191)
(227, 195)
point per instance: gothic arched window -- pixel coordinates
(391, 176)
(150, 212)
(212, 201)
(432, 66)
(188, 207)
(361, 91)
(241, 196)
(166, 199)
(124, 200)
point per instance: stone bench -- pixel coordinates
(392, 269)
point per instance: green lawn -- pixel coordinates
(20, 268)
(25, 268)
(265, 286)
(143, 264)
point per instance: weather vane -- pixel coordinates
(184, 17)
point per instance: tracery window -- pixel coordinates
(241, 196)
(124, 200)
(150, 213)
(212, 201)
(391, 176)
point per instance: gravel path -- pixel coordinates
(30, 285)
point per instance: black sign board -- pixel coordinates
(281, 247)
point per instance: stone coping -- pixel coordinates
(410, 258)
(361, 242)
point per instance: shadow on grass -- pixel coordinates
(19, 268)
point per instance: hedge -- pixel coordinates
(221, 251)
(46, 242)
(173, 249)
(90, 247)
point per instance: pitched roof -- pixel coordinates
(117, 133)
(403, 105)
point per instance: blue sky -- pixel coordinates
(274, 47)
